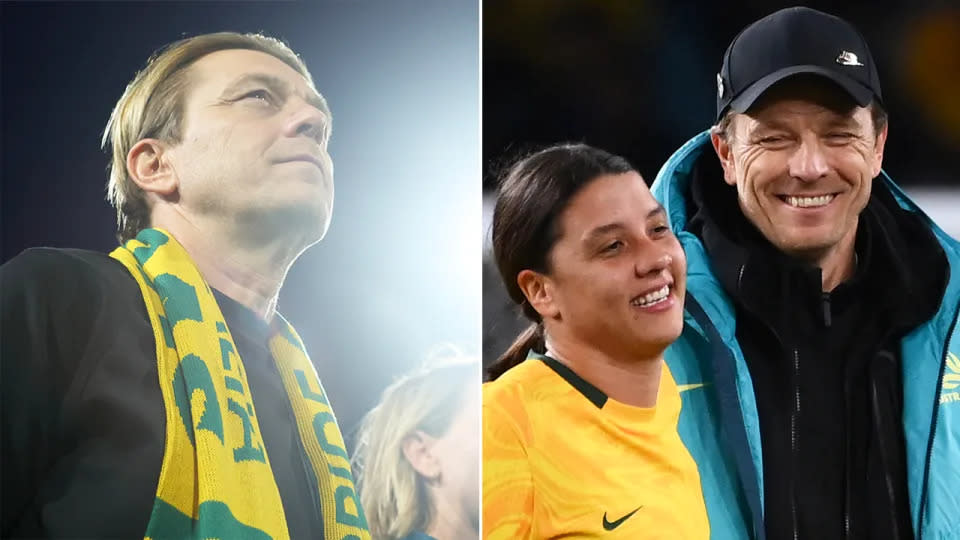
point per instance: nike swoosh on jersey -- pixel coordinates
(684, 387)
(611, 525)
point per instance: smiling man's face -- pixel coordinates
(803, 160)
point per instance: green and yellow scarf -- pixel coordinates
(216, 481)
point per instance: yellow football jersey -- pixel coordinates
(561, 459)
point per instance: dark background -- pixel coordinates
(638, 78)
(398, 273)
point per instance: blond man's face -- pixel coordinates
(254, 145)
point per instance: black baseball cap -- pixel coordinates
(790, 42)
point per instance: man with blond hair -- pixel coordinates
(155, 391)
(818, 366)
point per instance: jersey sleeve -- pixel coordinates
(507, 481)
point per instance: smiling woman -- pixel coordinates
(586, 251)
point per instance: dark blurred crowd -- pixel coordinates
(639, 78)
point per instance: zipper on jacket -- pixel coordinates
(847, 468)
(793, 440)
(883, 458)
(826, 309)
(846, 508)
(933, 426)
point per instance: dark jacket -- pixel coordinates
(82, 418)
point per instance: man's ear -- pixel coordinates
(417, 448)
(721, 145)
(540, 293)
(878, 147)
(149, 167)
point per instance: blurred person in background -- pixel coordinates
(156, 391)
(580, 420)
(821, 343)
(418, 453)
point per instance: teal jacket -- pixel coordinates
(719, 422)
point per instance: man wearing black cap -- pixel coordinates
(819, 367)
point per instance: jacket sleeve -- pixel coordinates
(38, 352)
(507, 481)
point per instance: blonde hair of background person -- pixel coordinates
(152, 106)
(417, 456)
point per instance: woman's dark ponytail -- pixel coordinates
(531, 339)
